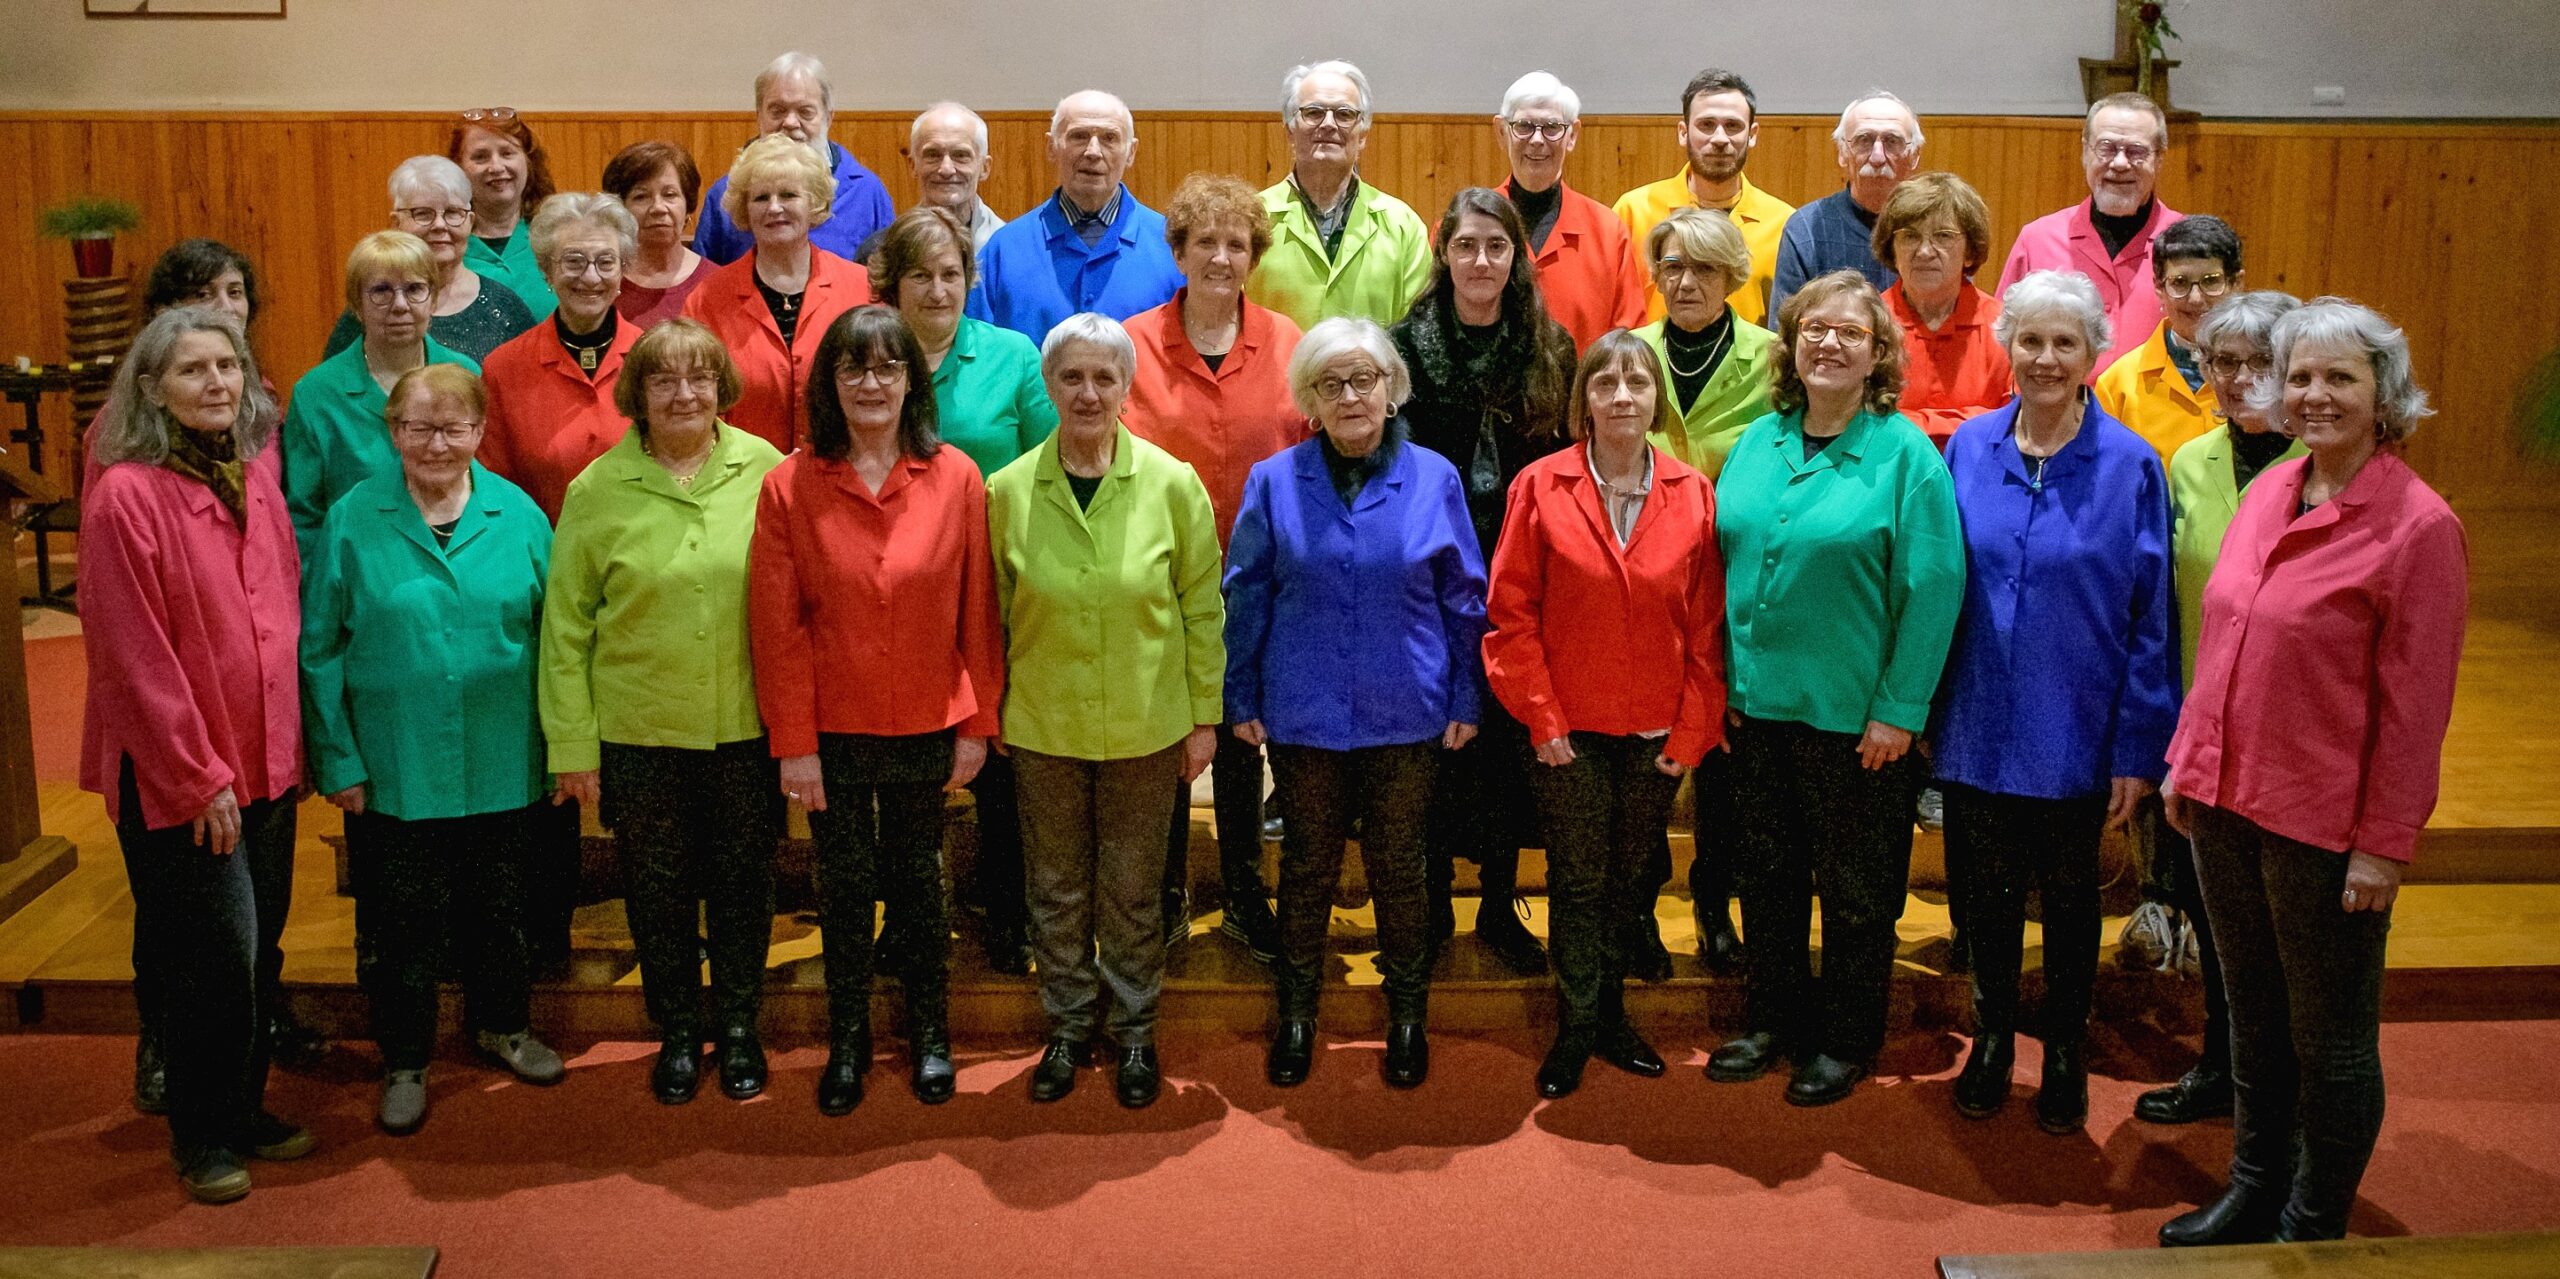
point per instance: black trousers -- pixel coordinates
(555, 855)
(1388, 790)
(1480, 807)
(2174, 861)
(212, 928)
(879, 839)
(1714, 841)
(1603, 814)
(1235, 798)
(2305, 983)
(1815, 821)
(420, 882)
(996, 881)
(696, 831)
(2013, 845)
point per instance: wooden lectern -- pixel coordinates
(30, 860)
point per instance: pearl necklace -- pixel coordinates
(1714, 353)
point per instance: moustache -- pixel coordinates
(1873, 170)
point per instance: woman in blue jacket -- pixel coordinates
(1355, 603)
(2061, 689)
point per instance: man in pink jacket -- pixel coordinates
(2107, 237)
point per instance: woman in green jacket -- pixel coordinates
(1107, 577)
(420, 613)
(648, 698)
(1721, 365)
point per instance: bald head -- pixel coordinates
(1879, 143)
(1092, 139)
(948, 147)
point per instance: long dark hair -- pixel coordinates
(1535, 345)
(859, 337)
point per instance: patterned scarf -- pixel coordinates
(213, 461)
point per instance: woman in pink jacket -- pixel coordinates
(191, 611)
(2306, 760)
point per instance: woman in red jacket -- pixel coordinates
(2306, 761)
(1607, 644)
(190, 595)
(772, 307)
(871, 608)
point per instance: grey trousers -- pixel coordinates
(1093, 853)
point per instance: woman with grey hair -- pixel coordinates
(1355, 601)
(193, 729)
(2207, 475)
(470, 313)
(1106, 560)
(2060, 689)
(550, 389)
(2307, 762)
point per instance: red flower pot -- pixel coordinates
(94, 257)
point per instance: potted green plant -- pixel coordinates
(91, 223)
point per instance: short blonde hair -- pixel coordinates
(569, 210)
(440, 381)
(776, 158)
(1610, 350)
(1923, 196)
(1701, 235)
(396, 254)
(668, 346)
(1344, 335)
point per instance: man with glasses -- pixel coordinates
(2161, 388)
(1719, 124)
(1338, 245)
(2107, 237)
(1587, 270)
(1090, 246)
(794, 97)
(1878, 141)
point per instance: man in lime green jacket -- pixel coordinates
(1338, 245)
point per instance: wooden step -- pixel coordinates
(2531, 1255)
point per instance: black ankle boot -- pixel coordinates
(151, 1072)
(1498, 923)
(678, 1072)
(741, 1062)
(1647, 958)
(1718, 944)
(1982, 1088)
(1561, 1072)
(1293, 1052)
(2243, 1214)
(2062, 1100)
(933, 1078)
(2201, 1093)
(1746, 1058)
(1408, 1055)
(840, 1083)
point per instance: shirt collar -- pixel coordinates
(1078, 219)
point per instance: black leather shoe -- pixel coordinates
(933, 1078)
(1561, 1072)
(840, 1084)
(1622, 1047)
(1140, 1079)
(1742, 1060)
(1647, 958)
(151, 1075)
(2062, 1100)
(1982, 1088)
(741, 1063)
(1718, 944)
(1408, 1055)
(2198, 1094)
(1008, 947)
(1293, 1053)
(2292, 1227)
(2243, 1214)
(1055, 1076)
(294, 1045)
(1823, 1080)
(678, 1073)
(1498, 926)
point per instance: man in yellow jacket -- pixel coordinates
(1719, 124)
(1338, 245)
(2160, 388)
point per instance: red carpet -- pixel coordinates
(1469, 1176)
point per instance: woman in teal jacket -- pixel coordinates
(422, 611)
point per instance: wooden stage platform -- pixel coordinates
(2477, 934)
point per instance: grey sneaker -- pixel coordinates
(1931, 810)
(404, 1101)
(213, 1175)
(530, 1058)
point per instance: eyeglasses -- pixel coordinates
(1851, 336)
(670, 383)
(1332, 385)
(423, 218)
(2210, 286)
(494, 115)
(384, 293)
(1540, 130)
(2232, 365)
(886, 372)
(574, 265)
(1944, 239)
(419, 431)
(1674, 269)
(2134, 153)
(1313, 116)
(1469, 248)
(1891, 143)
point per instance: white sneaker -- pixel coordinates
(529, 1058)
(2150, 937)
(404, 1101)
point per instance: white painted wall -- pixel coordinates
(2243, 57)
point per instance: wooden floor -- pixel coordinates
(2531, 1255)
(2477, 932)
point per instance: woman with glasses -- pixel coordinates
(880, 671)
(510, 178)
(649, 700)
(1491, 374)
(333, 437)
(470, 312)
(1844, 575)
(2161, 388)
(421, 621)
(1935, 231)
(551, 408)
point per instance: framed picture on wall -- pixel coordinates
(183, 8)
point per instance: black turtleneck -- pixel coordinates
(586, 348)
(2254, 451)
(1351, 474)
(2117, 232)
(1695, 357)
(1539, 210)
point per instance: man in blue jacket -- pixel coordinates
(794, 97)
(1090, 246)
(1878, 140)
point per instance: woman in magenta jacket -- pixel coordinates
(1607, 608)
(191, 609)
(2306, 761)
